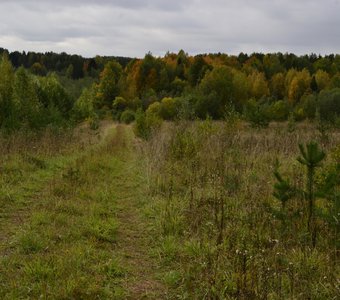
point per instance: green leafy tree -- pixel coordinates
(26, 98)
(309, 105)
(216, 90)
(127, 116)
(84, 106)
(169, 108)
(56, 101)
(271, 65)
(255, 113)
(335, 81)
(197, 70)
(329, 104)
(278, 110)
(8, 108)
(108, 87)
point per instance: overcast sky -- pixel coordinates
(134, 27)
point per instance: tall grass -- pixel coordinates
(212, 185)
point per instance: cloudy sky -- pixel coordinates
(134, 27)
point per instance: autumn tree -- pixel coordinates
(277, 86)
(258, 85)
(252, 64)
(38, 69)
(322, 80)
(241, 87)
(299, 85)
(129, 80)
(148, 74)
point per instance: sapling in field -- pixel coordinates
(311, 157)
(283, 190)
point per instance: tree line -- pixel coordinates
(260, 87)
(74, 66)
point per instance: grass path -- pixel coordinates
(75, 229)
(134, 234)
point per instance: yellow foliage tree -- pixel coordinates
(277, 85)
(258, 85)
(299, 86)
(322, 79)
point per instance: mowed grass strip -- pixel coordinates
(62, 244)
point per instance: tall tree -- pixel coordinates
(26, 98)
(108, 88)
(258, 85)
(216, 89)
(277, 86)
(299, 85)
(322, 79)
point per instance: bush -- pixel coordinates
(84, 106)
(169, 108)
(278, 111)
(93, 122)
(127, 116)
(141, 128)
(309, 106)
(256, 114)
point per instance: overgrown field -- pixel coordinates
(228, 228)
(199, 210)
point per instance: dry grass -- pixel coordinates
(212, 185)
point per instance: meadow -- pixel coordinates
(233, 213)
(193, 212)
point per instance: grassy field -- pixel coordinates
(221, 232)
(188, 214)
(70, 225)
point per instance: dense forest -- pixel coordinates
(38, 89)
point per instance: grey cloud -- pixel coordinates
(133, 27)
